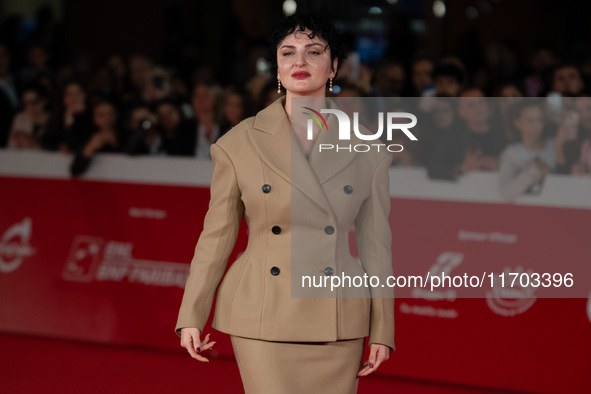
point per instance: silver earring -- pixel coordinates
(278, 86)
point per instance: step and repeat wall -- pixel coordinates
(104, 258)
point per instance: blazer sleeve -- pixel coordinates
(220, 230)
(374, 241)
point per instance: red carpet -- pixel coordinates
(38, 365)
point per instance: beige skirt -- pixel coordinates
(269, 367)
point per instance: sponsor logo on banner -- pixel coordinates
(15, 245)
(94, 259)
(506, 300)
(148, 213)
(83, 259)
(444, 264)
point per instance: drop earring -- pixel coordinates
(330, 85)
(278, 86)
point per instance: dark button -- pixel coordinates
(329, 229)
(266, 188)
(275, 271)
(328, 271)
(348, 189)
(276, 229)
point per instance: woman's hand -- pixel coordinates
(378, 353)
(544, 169)
(23, 139)
(190, 340)
(97, 141)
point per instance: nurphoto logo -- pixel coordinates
(345, 129)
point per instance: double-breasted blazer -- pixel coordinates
(261, 174)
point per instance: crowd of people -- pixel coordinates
(538, 123)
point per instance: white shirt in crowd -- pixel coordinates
(517, 174)
(203, 144)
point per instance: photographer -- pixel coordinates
(143, 135)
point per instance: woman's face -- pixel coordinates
(530, 123)
(168, 116)
(510, 96)
(202, 99)
(104, 116)
(33, 104)
(74, 98)
(304, 65)
(116, 65)
(443, 113)
(233, 108)
(422, 74)
(510, 91)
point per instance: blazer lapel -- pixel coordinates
(330, 162)
(279, 149)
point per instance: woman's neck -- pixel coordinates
(299, 130)
(316, 100)
(534, 144)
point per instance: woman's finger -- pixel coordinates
(365, 371)
(190, 340)
(377, 355)
(207, 346)
(195, 349)
(370, 363)
(204, 342)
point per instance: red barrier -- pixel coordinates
(107, 261)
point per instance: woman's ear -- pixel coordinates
(333, 71)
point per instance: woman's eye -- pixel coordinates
(287, 53)
(313, 53)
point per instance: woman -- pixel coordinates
(105, 137)
(177, 137)
(236, 107)
(206, 104)
(71, 125)
(286, 344)
(524, 164)
(29, 125)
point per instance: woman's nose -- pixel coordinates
(300, 58)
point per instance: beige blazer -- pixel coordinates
(298, 213)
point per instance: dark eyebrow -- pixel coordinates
(307, 45)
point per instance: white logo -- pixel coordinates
(83, 259)
(13, 252)
(505, 300)
(345, 125)
(93, 259)
(345, 129)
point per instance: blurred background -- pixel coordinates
(185, 65)
(107, 113)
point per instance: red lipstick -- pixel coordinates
(300, 75)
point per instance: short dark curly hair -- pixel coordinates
(318, 25)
